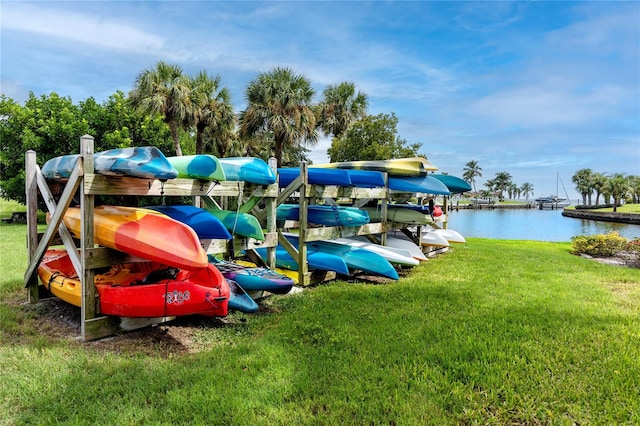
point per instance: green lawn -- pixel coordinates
(495, 332)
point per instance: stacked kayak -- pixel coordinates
(146, 162)
(205, 224)
(253, 278)
(316, 176)
(399, 214)
(415, 166)
(324, 215)
(144, 233)
(418, 184)
(144, 289)
(240, 300)
(453, 183)
(394, 255)
(316, 259)
(243, 224)
(201, 166)
(247, 169)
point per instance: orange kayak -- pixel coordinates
(145, 289)
(144, 233)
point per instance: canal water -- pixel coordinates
(531, 224)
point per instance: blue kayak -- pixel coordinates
(146, 162)
(316, 176)
(315, 259)
(355, 258)
(420, 184)
(325, 215)
(247, 169)
(239, 300)
(453, 183)
(366, 178)
(201, 221)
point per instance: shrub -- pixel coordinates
(599, 245)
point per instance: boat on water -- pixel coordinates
(552, 202)
(141, 289)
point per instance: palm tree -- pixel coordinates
(618, 187)
(471, 171)
(599, 181)
(164, 90)
(526, 189)
(279, 103)
(502, 182)
(340, 107)
(582, 179)
(212, 111)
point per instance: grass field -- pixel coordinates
(495, 332)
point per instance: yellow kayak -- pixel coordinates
(415, 166)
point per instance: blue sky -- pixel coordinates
(534, 89)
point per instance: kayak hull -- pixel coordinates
(415, 166)
(205, 225)
(240, 300)
(247, 169)
(418, 184)
(243, 224)
(315, 259)
(325, 215)
(201, 166)
(316, 176)
(254, 279)
(399, 215)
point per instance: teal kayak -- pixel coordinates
(202, 166)
(324, 215)
(243, 224)
(315, 259)
(247, 169)
(453, 183)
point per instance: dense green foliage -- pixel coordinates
(372, 138)
(615, 186)
(600, 245)
(495, 332)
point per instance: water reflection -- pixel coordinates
(531, 224)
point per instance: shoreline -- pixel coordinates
(627, 218)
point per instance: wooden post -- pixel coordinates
(31, 192)
(88, 309)
(303, 266)
(270, 208)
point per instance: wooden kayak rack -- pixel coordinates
(84, 184)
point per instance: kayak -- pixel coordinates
(324, 215)
(392, 254)
(205, 224)
(144, 233)
(399, 215)
(449, 234)
(355, 258)
(146, 162)
(418, 184)
(142, 289)
(286, 175)
(366, 178)
(315, 259)
(247, 169)
(243, 224)
(415, 166)
(405, 244)
(433, 239)
(239, 300)
(201, 166)
(253, 279)
(288, 273)
(453, 183)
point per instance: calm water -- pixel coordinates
(531, 224)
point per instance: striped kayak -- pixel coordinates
(144, 233)
(201, 166)
(293, 275)
(453, 183)
(239, 300)
(286, 175)
(418, 184)
(141, 289)
(324, 215)
(355, 258)
(146, 162)
(254, 279)
(247, 169)
(205, 224)
(402, 242)
(315, 259)
(416, 166)
(399, 215)
(393, 255)
(243, 224)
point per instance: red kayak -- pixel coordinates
(146, 289)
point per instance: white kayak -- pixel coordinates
(405, 244)
(392, 254)
(451, 236)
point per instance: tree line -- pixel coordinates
(182, 114)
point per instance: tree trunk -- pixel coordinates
(173, 128)
(278, 151)
(199, 137)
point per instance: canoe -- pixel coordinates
(239, 300)
(355, 258)
(243, 224)
(449, 234)
(416, 166)
(453, 183)
(247, 169)
(324, 215)
(418, 184)
(201, 166)
(336, 177)
(405, 244)
(253, 279)
(205, 224)
(366, 178)
(315, 259)
(394, 255)
(143, 289)
(144, 233)
(398, 215)
(146, 162)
